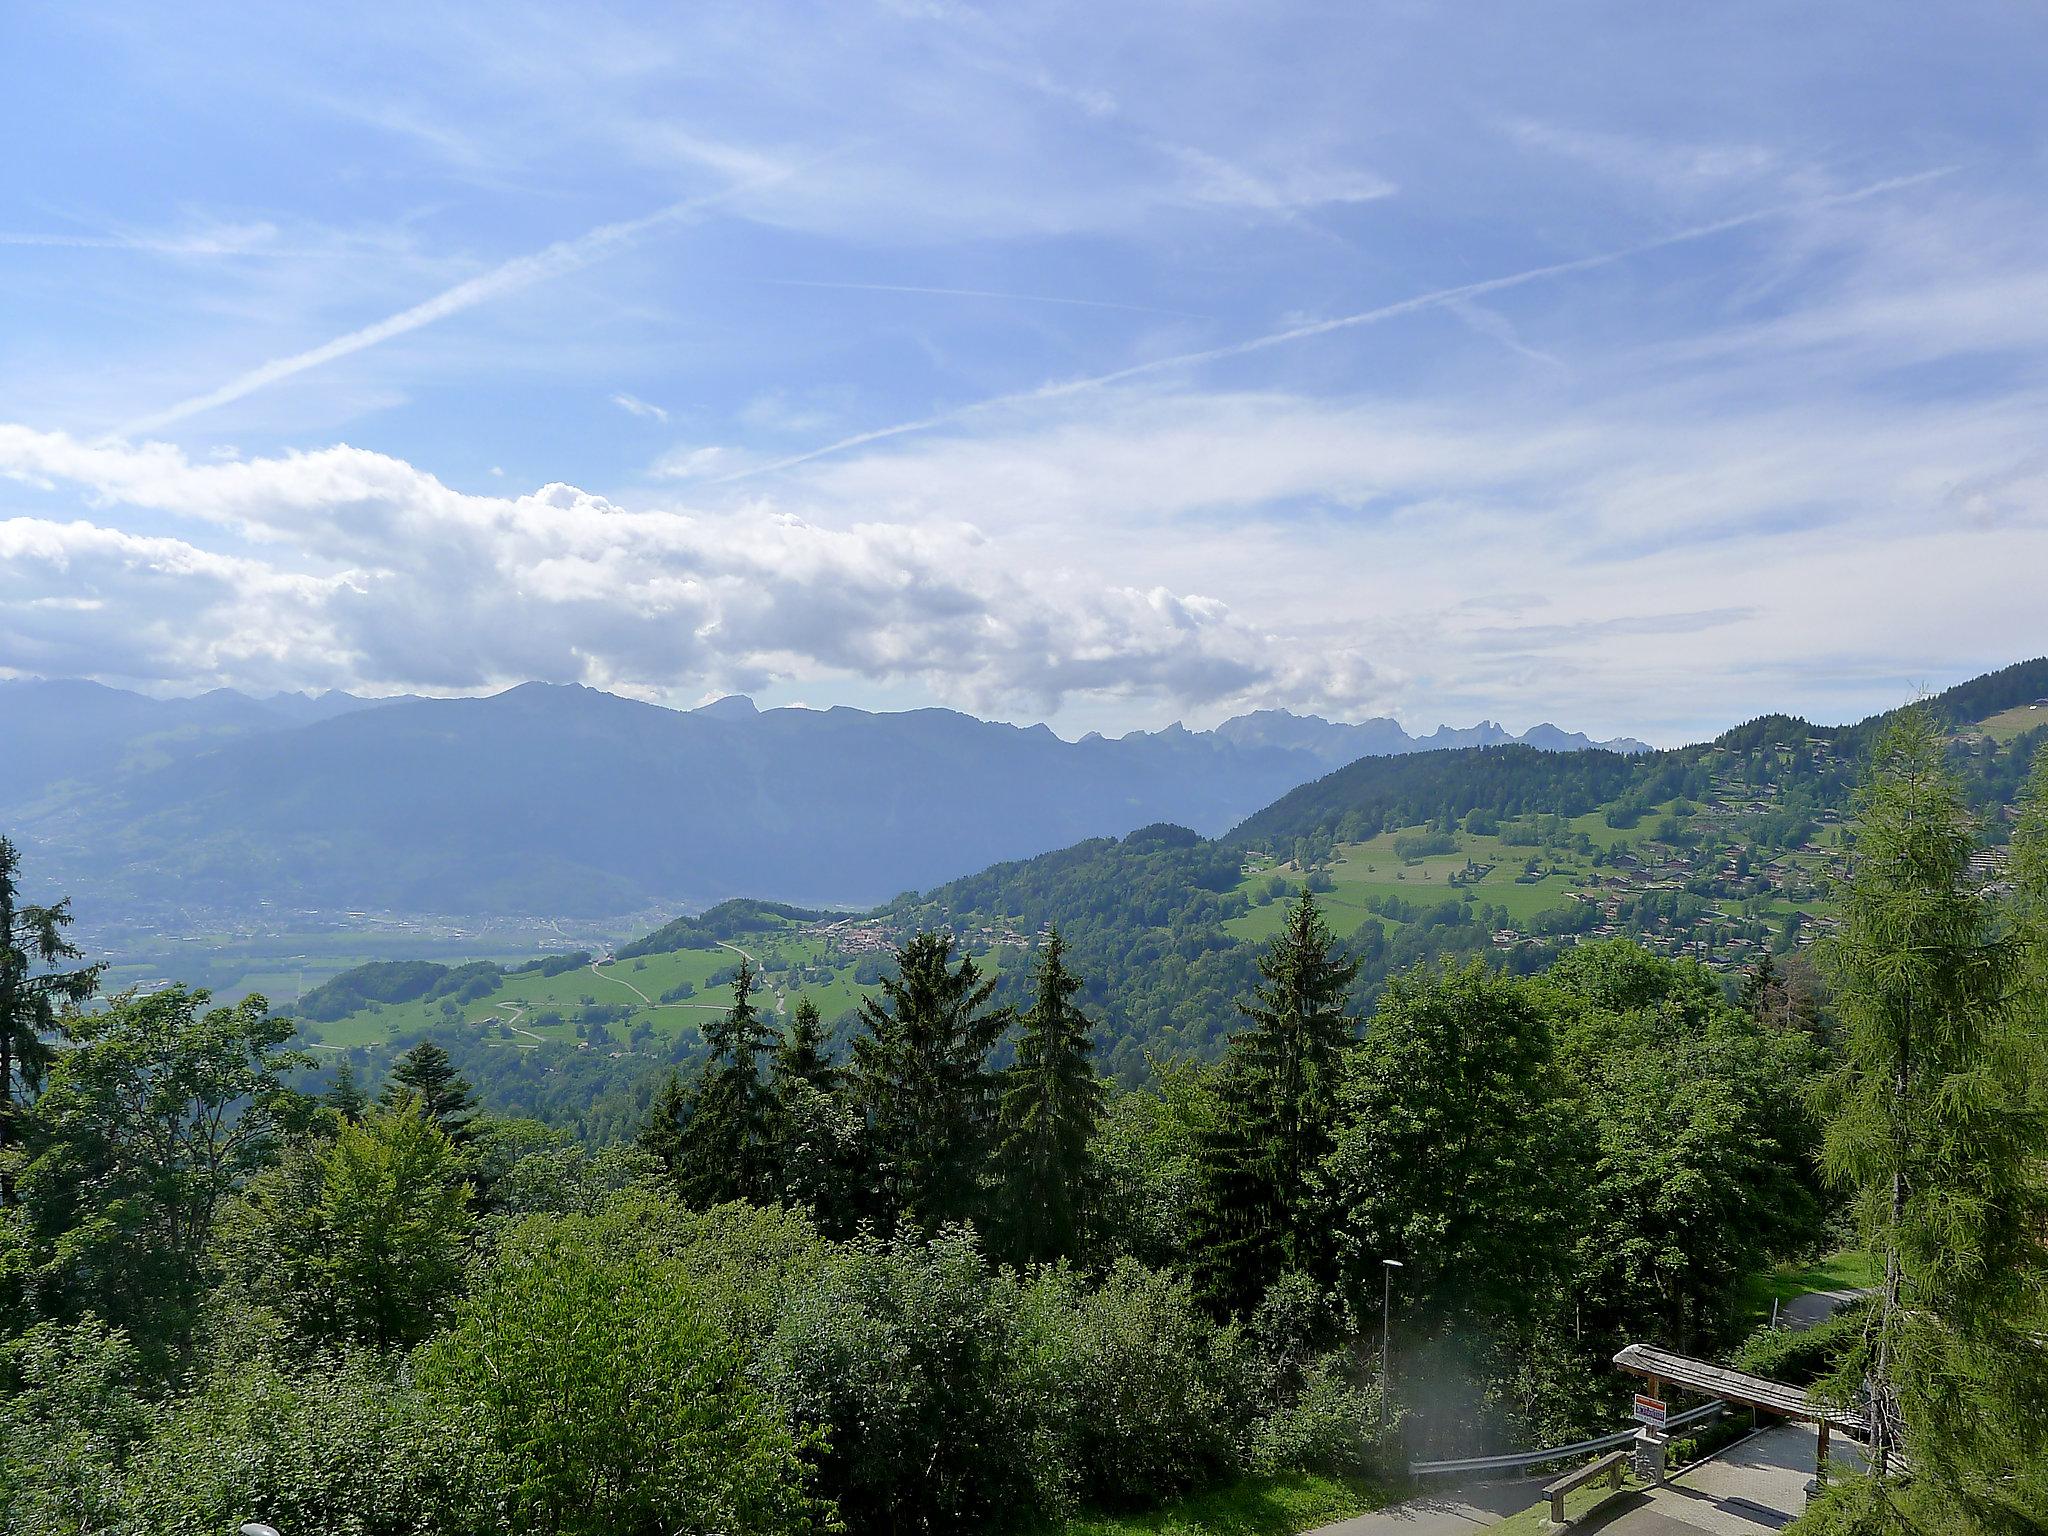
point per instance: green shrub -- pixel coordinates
(1804, 1355)
(68, 1415)
(1129, 1393)
(1330, 1424)
(342, 1447)
(603, 1398)
(895, 1352)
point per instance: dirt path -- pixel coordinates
(781, 1002)
(516, 1009)
(622, 982)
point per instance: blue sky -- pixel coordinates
(1638, 367)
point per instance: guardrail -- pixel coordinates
(1516, 1461)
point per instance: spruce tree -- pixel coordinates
(661, 1132)
(425, 1070)
(725, 1151)
(1277, 1095)
(800, 1056)
(345, 1096)
(1052, 1101)
(1939, 1124)
(816, 1129)
(31, 998)
(922, 1081)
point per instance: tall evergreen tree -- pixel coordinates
(1939, 1124)
(661, 1132)
(816, 1130)
(426, 1071)
(32, 995)
(1277, 1093)
(1052, 1101)
(922, 1080)
(800, 1055)
(725, 1148)
(345, 1096)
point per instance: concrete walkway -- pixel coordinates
(1752, 1487)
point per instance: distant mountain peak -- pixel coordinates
(734, 706)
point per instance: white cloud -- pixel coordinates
(634, 406)
(688, 463)
(1292, 188)
(369, 573)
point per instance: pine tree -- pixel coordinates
(726, 1151)
(31, 996)
(1052, 1101)
(1277, 1093)
(345, 1096)
(922, 1081)
(425, 1070)
(1939, 1124)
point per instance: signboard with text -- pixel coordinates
(1650, 1411)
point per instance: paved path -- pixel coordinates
(1815, 1307)
(1754, 1486)
(1751, 1488)
(1450, 1513)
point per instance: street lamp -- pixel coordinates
(1388, 1266)
(254, 1528)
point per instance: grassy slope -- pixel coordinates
(521, 999)
(1849, 1269)
(1252, 1506)
(1373, 870)
(2009, 724)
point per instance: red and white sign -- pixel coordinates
(1650, 1411)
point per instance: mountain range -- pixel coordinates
(566, 800)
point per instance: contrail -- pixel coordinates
(982, 293)
(1431, 300)
(520, 272)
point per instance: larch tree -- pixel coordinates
(816, 1130)
(1939, 1126)
(33, 994)
(1052, 1101)
(345, 1095)
(661, 1132)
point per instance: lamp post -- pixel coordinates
(1388, 1266)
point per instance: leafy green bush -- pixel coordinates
(1331, 1424)
(895, 1351)
(1131, 1395)
(1421, 845)
(601, 1396)
(68, 1415)
(1803, 1355)
(343, 1447)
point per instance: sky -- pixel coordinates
(1639, 368)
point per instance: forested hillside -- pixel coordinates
(1724, 853)
(946, 1275)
